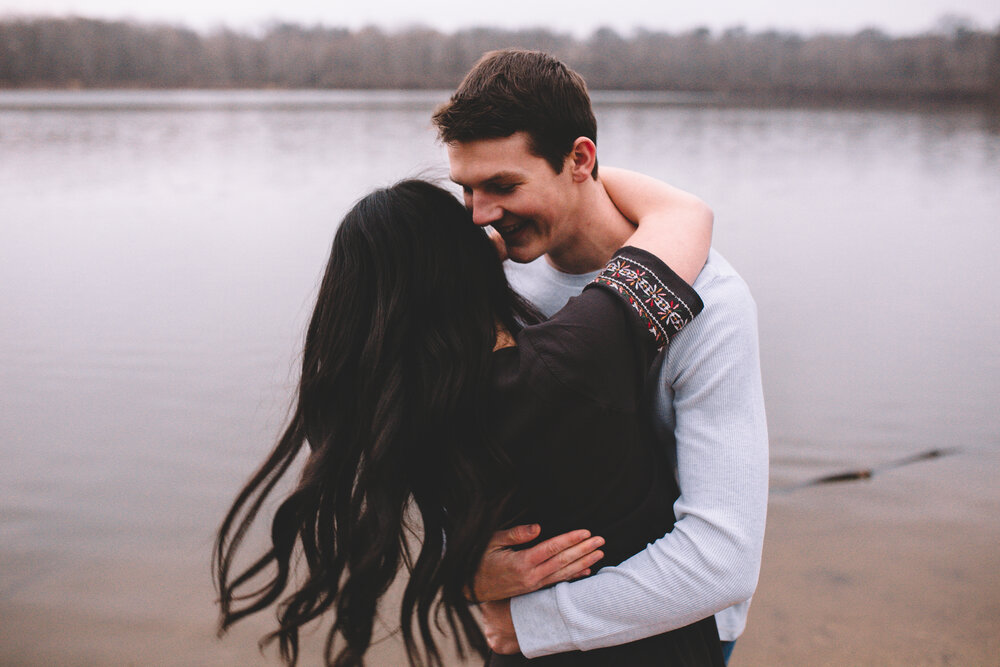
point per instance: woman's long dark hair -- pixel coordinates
(392, 400)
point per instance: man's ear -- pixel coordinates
(582, 159)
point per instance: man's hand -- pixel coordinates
(505, 573)
(498, 626)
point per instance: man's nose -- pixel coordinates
(485, 209)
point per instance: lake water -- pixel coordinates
(159, 252)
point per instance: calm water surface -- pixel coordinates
(159, 252)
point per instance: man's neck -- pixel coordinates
(598, 230)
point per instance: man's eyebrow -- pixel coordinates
(499, 177)
(504, 179)
(504, 176)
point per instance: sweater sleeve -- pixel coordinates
(710, 396)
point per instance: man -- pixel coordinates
(512, 127)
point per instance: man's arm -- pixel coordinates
(711, 394)
(677, 227)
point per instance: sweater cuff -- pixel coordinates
(663, 302)
(539, 625)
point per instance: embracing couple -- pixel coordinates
(579, 443)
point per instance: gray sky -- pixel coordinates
(579, 17)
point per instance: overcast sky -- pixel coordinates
(579, 17)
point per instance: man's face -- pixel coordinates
(505, 185)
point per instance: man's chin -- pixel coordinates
(524, 254)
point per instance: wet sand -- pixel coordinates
(901, 569)
(897, 570)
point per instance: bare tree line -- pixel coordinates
(958, 64)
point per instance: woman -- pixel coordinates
(421, 386)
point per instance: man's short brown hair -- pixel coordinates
(514, 90)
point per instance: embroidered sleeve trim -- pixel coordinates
(651, 295)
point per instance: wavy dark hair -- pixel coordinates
(392, 403)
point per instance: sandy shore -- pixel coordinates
(900, 570)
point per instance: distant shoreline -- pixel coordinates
(959, 66)
(788, 98)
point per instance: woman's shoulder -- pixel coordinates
(601, 343)
(586, 351)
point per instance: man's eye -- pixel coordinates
(501, 189)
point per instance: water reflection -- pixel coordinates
(160, 252)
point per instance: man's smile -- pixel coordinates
(510, 228)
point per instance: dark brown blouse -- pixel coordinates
(571, 415)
